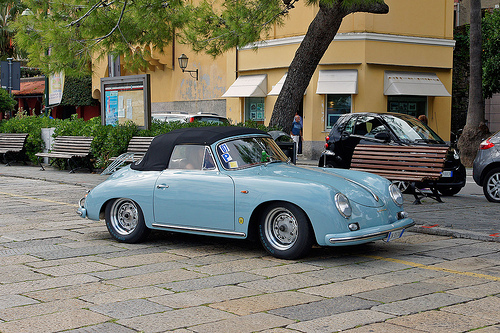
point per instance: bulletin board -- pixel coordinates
(126, 98)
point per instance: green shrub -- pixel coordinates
(109, 141)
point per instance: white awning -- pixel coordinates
(342, 81)
(413, 84)
(277, 88)
(248, 86)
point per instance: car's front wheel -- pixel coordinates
(284, 231)
(125, 221)
(491, 186)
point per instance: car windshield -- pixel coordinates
(249, 151)
(412, 130)
(212, 120)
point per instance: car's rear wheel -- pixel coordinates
(284, 231)
(125, 221)
(491, 185)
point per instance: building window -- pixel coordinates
(254, 109)
(411, 105)
(336, 105)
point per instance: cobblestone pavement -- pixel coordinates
(59, 272)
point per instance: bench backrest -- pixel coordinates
(75, 145)
(139, 144)
(410, 163)
(12, 141)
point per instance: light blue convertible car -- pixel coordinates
(235, 182)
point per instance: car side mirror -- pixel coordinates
(383, 136)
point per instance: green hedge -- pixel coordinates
(109, 141)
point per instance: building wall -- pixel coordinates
(416, 36)
(413, 37)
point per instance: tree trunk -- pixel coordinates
(475, 129)
(318, 38)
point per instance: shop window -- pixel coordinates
(411, 105)
(336, 105)
(254, 109)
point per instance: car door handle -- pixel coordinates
(162, 186)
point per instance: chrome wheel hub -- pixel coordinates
(124, 216)
(281, 228)
(493, 186)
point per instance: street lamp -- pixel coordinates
(183, 62)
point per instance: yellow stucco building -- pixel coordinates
(398, 62)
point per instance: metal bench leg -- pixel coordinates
(7, 162)
(72, 170)
(40, 163)
(416, 193)
(435, 194)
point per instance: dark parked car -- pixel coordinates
(486, 168)
(388, 129)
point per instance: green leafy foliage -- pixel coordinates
(32, 125)
(109, 141)
(491, 54)
(78, 91)
(7, 103)
(75, 31)
(461, 66)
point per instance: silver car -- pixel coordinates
(185, 117)
(486, 168)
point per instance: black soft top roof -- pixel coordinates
(158, 154)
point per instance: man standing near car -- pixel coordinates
(296, 132)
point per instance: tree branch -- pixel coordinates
(374, 8)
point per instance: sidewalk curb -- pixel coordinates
(455, 233)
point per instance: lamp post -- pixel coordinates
(183, 61)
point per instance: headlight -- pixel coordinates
(81, 203)
(343, 205)
(396, 195)
(456, 155)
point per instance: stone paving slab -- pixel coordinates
(205, 296)
(420, 303)
(340, 322)
(487, 308)
(324, 308)
(266, 302)
(244, 324)
(129, 309)
(124, 295)
(210, 281)
(400, 292)
(174, 319)
(53, 322)
(38, 309)
(440, 322)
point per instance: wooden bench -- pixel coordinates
(418, 165)
(71, 149)
(137, 147)
(12, 144)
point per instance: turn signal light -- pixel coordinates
(486, 144)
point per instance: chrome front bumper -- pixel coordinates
(363, 236)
